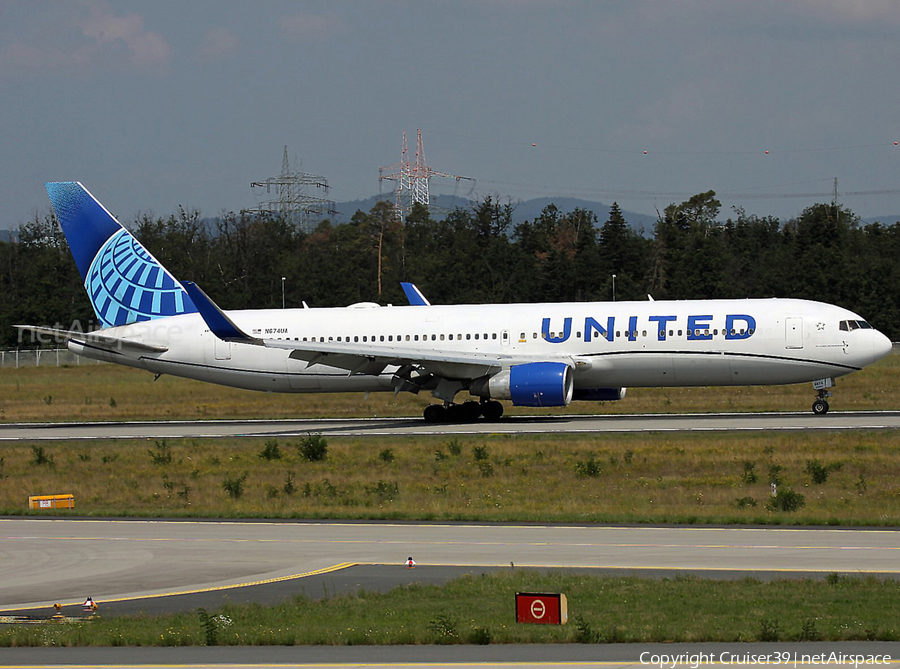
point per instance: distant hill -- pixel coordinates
(526, 210)
(884, 220)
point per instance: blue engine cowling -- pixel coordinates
(541, 384)
(533, 384)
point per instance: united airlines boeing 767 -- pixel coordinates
(540, 355)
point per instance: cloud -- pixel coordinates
(89, 35)
(218, 44)
(111, 32)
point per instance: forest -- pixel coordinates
(479, 255)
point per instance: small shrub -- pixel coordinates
(185, 493)
(480, 636)
(84, 457)
(775, 474)
(386, 456)
(628, 457)
(768, 629)
(48, 400)
(786, 500)
(235, 487)
(454, 447)
(744, 502)
(439, 455)
(324, 488)
(819, 472)
(112, 402)
(749, 476)
(444, 628)
(480, 453)
(210, 628)
(590, 467)
(833, 579)
(162, 455)
(809, 632)
(486, 468)
(584, 632)
(289, 488)
(40, 457)
(271, 491)
(111, 457)
(313, 448)
(861, 486)
(384, 489)
(270, 451)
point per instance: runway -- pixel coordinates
(46, 561)
(850, 420)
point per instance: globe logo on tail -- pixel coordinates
(127, 285)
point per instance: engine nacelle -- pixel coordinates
(599, 394)
(533, 384)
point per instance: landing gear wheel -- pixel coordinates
(470, 411)
(492, 410)
(435, 413)
(820, 407)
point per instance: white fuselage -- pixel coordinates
(608, 344)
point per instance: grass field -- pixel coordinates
(480, 609)
(847, 478)
(111, 392)
(822, 478)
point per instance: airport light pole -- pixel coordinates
(282, 291)
(614, 287)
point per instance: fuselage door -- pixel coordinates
(222, 349)
(793, 333)
(504, 338)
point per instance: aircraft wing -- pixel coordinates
(373, 359)
(96, 339)
(370, 359)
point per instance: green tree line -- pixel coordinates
(480, 255)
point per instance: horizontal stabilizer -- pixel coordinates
(97, 339)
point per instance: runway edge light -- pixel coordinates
(542, 608)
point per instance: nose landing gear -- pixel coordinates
(820, 406)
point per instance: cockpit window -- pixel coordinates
(847, 326)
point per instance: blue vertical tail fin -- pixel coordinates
(124, 282)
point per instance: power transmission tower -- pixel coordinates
(292, 202)
(412, 178)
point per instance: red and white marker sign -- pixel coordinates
(541, 608)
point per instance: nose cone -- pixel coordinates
(881, 345)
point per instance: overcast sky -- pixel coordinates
(158, 104)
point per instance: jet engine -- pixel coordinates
(533, 384)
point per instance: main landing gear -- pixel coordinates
(467, 412)
(820, 406)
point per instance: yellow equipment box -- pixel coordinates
(51, 502)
